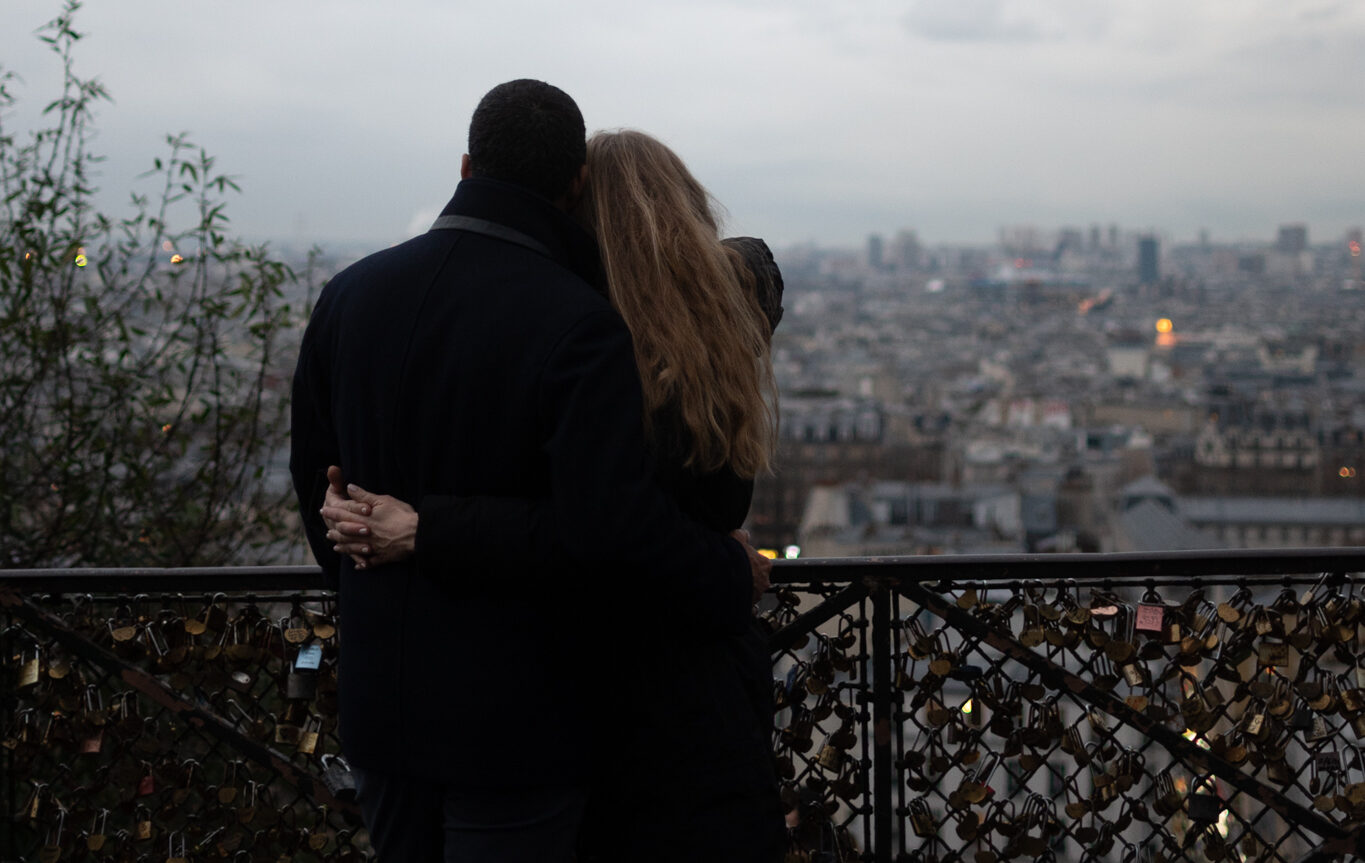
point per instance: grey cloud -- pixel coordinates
(969, 21)
(1321, 68)
(1321, 13)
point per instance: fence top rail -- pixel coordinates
(1116, 567)
(1131, 567)
(183, 579)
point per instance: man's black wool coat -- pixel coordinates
(459, 364)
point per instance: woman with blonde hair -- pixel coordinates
(692, 304)
(687, 730)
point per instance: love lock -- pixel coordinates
(1205, 805)
(338, 778)
(921, 819)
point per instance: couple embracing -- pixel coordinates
(524, 443)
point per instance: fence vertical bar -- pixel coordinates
(882, 767)
(9, 793)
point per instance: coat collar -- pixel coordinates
(522, 210)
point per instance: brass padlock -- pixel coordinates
(308, 740)
(921, 819)
(246, 810)
(286, 733)
(1235, 608)
(295, 627)
(51, 850)
(905, 678)
(143, 829)
(1194, 708)
(1166, 800)
(94, 840)
(175, 848)
(30, 668)
(831, 757)
(123, 627)
(1134, 672)
(1032, 634)
(1273, 653)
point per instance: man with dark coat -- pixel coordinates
(477, 359)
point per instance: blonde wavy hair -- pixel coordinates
(701, 340)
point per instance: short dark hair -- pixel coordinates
(529, 133)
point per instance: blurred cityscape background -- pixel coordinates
(1093, 388)
(1074, 389)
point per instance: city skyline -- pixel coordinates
(344, 122)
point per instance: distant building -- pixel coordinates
(1252, 264)
(829, 440)
(1255, 449)
(1270, 522)
(876, 258)
(906, 251)
(1151, 517)
(1149, 266)
(1148, 518)
(889, 517)
(1128, 354)
(1292, 240)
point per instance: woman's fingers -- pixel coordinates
(344, 521)
(361, 495)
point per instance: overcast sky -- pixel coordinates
(809, 119)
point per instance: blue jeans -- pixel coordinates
(415, 821)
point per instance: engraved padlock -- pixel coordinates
(287, 733)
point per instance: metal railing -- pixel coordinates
(1174, 706)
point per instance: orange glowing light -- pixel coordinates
(1346, 472)
(81, 260)
(769, 553)
(1355, 249)
(1164, 325)
(166, 427)
(167, 246)
(176, 259)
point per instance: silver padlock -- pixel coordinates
(338, 778)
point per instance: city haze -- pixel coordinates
(344, 122)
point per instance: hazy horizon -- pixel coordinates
(344, 122)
